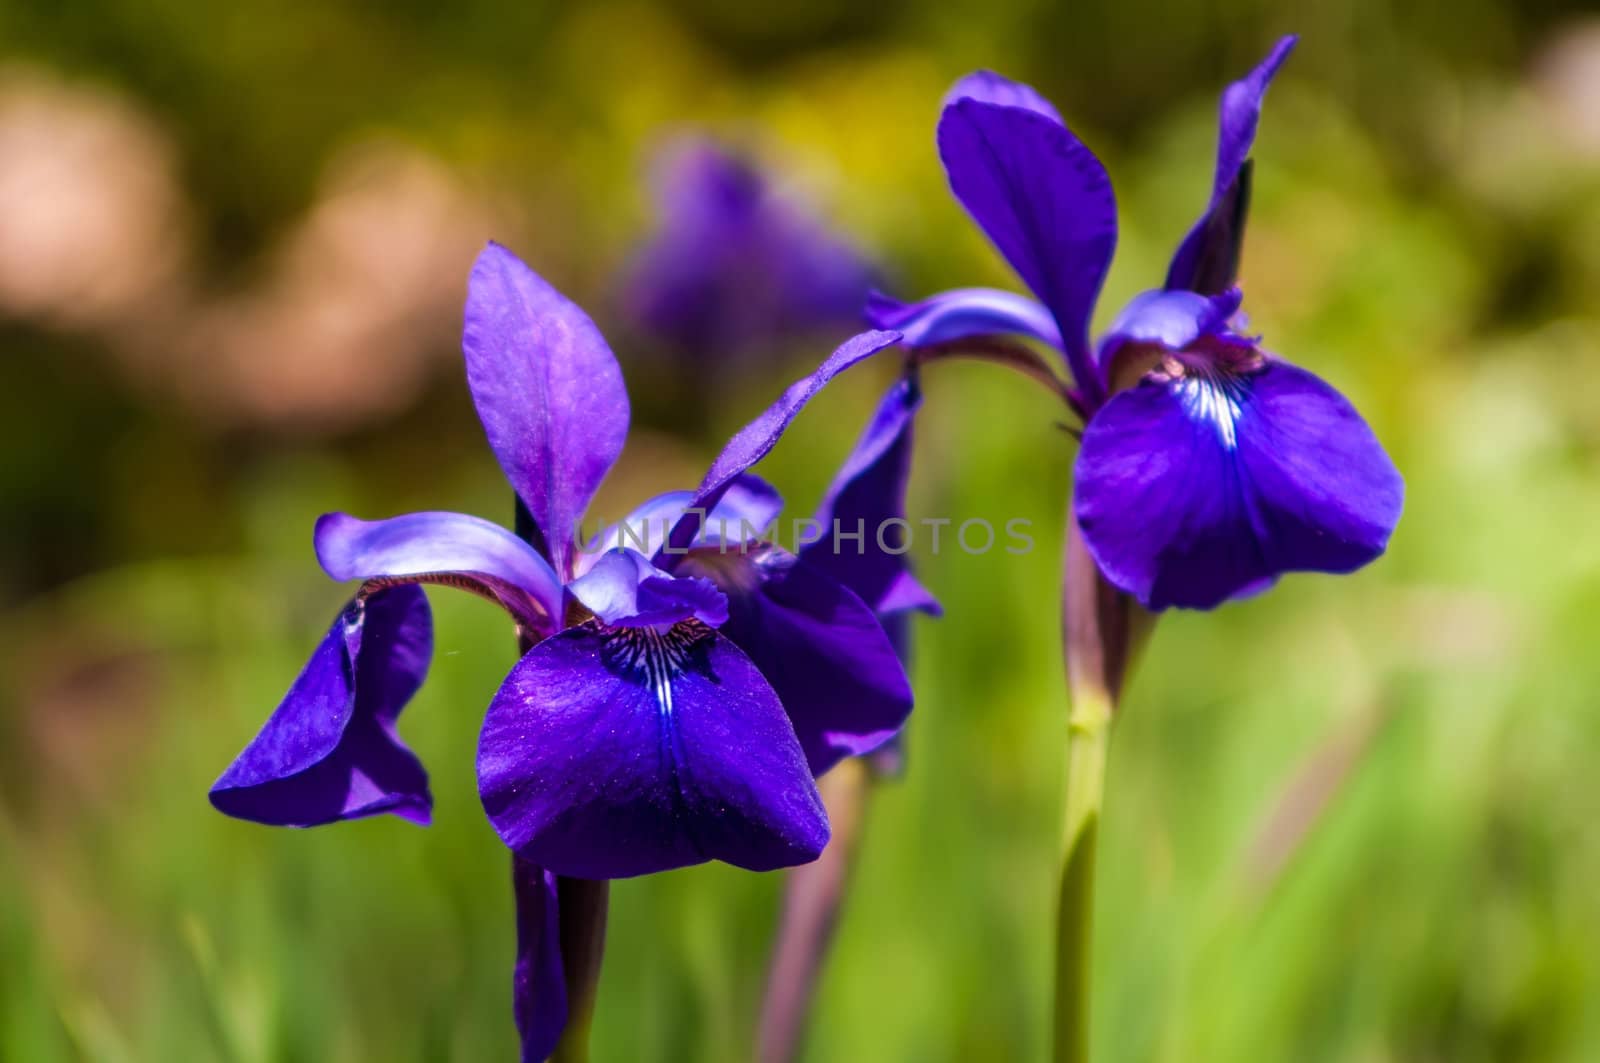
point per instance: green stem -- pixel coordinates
(1088, 734)
(583, 904)
(1101, 630)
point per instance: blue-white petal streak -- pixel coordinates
(1216, 398)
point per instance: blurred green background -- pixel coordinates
(1349, 820)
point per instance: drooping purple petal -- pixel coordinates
(608, 754)
(962, 313)
(747, 509)
(1046, 202)
(446, 548)
(1207, 261)
(548, 390)
(330, 751)
(735, 266)
(1171, 320)
(866, 506)
(819, 645)
(752, 442)
(1195, 490)
(623, 588)
(538, 984)
(986, 86)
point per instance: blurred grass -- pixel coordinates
(1438, 906)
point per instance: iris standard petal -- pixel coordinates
(446, 548)
(538, 983)
(607, 754)
(548, 390)
(867, 502)
(962, 313)
(1193, 490)
(1046, 202)
(988, 87)
(1207, 261)
(330, 752)
(623, 588)
(819, 645)
(752, 442)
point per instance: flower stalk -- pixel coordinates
(1100, 629)
(812, 898)
(583, 907)
(1088, 734)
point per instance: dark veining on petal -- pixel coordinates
(653, 655)
(656, 657)
(529, 613)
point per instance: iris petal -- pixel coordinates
(538, 983)
(748, 508)
(1194, 490)
(607, 754)
(447, 548)
(868, 498)
(623, 588)
(1207, 261)
(330, 752)
(988, 87)
(548, 390)
(820, 646)
(1046, 202)
(1170, 319)
(962, 313)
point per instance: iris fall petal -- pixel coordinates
(1194, 490)
(608, 754)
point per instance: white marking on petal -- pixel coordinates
(1214, 396)
(655, 655)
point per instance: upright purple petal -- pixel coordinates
(962, 313)
(986, 86)
(1207, 261)
(446, 548)
(752, 442)
(867, 503)
(1046, 202)
(1196, 490)
(608, 754)
(820, 646)
(548, 391)
(623, 588)
(330, 751)
(538, 983)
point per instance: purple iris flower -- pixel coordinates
(1208, 467)
(735, 266)
(687, 678)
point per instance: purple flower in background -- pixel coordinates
(679, 694)
(736, 266)
(1208, 466)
